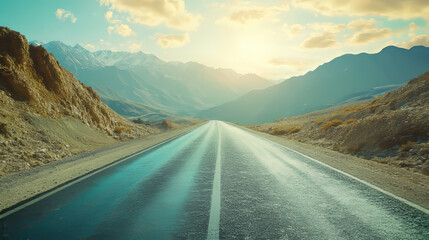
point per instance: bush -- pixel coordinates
(333, 123)
(350, 121)
(284, 130)
(4, 129)
(355, 148)
(120, 129)
(167, 124)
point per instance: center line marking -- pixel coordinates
(213, 229)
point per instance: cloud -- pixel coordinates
(321, 27)
(121, 29)
(108, 15)
(324, 40)
(371, 35)
(171, 41)
(245, 12)
(293, 30)
(327, 27)
(361, 24)
(421, 40)
(412, 29)
(172, 13)
(245, 16)
(134, 47)
(365, 31)
(288, 62)
(110, 29)
(394, 9)
(63, 14)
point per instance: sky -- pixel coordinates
(275, 39)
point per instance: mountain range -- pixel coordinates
(343, 79)
(173, 87)
(47, 114)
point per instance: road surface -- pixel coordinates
(216, 182)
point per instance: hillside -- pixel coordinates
(46, 113)
(392, 129)
(330, 84)
(174, 87)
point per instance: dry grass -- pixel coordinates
(350, 121)
(370, 106)
(355, 148)
(284, 130)
(120, 129)
(333, 123)
(407, 146)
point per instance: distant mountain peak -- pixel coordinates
(36, 43)
(78, 46)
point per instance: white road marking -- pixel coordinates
(213, 229)
(418, 207)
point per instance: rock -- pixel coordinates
(425, 168)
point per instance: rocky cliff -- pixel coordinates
(38, 95)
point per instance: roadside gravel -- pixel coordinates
(20, 186)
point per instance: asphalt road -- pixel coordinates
(217, 182)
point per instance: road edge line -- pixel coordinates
(20, 205)
(403, 200)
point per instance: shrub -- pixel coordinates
(294, 130)
(120, 129)
(407, 146)
(372, 106)
(284, 130)
(333, 123)
(318, 120)
(350, 121)
(4, 129)
(355, 148)
(167, 124)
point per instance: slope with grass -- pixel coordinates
(393, 128)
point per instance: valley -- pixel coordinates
(232, 119)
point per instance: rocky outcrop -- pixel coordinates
(31, 74)
(46, 114)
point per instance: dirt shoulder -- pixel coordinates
(17, 187)
(411, 186)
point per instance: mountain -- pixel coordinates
(73, 58)
(326, 86)
(134, 111)
(179, 88)
(36, 43)
(392, 128)
(46, 113)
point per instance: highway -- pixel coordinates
(217, 182)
